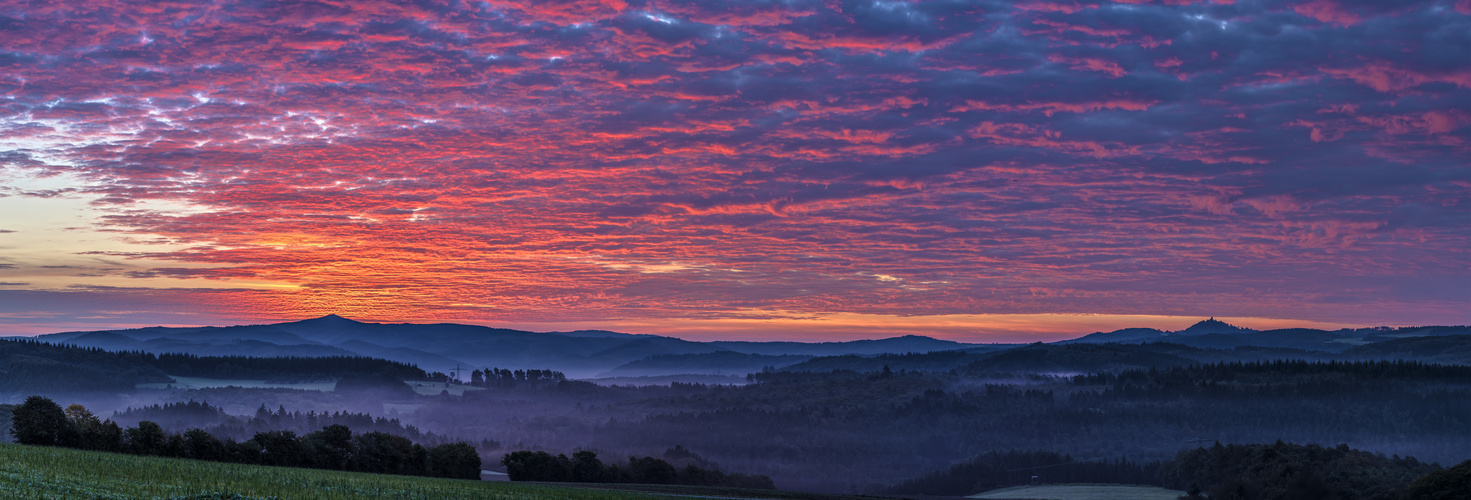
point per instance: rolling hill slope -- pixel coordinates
(443, 347)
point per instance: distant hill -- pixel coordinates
(931, 361)
(1446, 349)
(1055, 358)
(907, 343)
(592, 353)
(30, 367)
(1216, 334)
(1075, 358)
(1213, 325)
(1127, 335)
(721, 362)
(445, 347)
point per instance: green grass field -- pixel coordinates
(1082, 492)
(33, 472)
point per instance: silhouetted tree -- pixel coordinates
(454, 460)
(586, 468)
(387, 454)
(650, 470)
(534, 466)
(1447, 484)
(145, 439)
(40, 421)
(332, 447)
(280, 448)
(92, 433)
(201, 445)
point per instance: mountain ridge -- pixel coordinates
(447, 347)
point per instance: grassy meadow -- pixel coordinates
(1081, 492)
(434, 388)
(34, 472)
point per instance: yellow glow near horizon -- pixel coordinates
(959, 327)
(51, 239)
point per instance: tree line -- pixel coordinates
(798, 427)
(585, 467)
(1285, 470)
(214, 420)
(41, 421)
(1219, 472)
(30, 366)
(999, 469)
(500, 377)
(287, 369)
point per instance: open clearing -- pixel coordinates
(1082, 492)
(436, 388)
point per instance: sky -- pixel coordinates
(810, 170)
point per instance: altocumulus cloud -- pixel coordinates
(589, 160)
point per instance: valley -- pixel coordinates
(836, 418)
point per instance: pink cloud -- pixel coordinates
(1090, 64)
(1387, 77)
(1328, 11)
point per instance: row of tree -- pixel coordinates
(41, 421)
(1220, 472)
(1285, 470)
(214, 420)
(500, 377)
(999, 469)
(585, 467)
(284, 368)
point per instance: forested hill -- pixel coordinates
(584, 354)
(1245, 472)
(1216, 334)
(29, 367)
(440, 347)
(1058, 358)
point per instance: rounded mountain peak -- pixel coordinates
(1214, 325)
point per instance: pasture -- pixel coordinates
(437, 388)
(1081, 492)
(35, 472)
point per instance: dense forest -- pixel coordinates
(214, 420)
(28, 367)
(820, 426)
(679, 466)
(849, 431)
(999, 469)
(1226, 472)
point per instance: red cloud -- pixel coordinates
(1387, 77)
(1048, 108)
(1090, 64)
(565, 11)
(1428, 123)
(1328, 11)
(525, 160)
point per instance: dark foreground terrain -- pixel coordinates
(850, 423)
